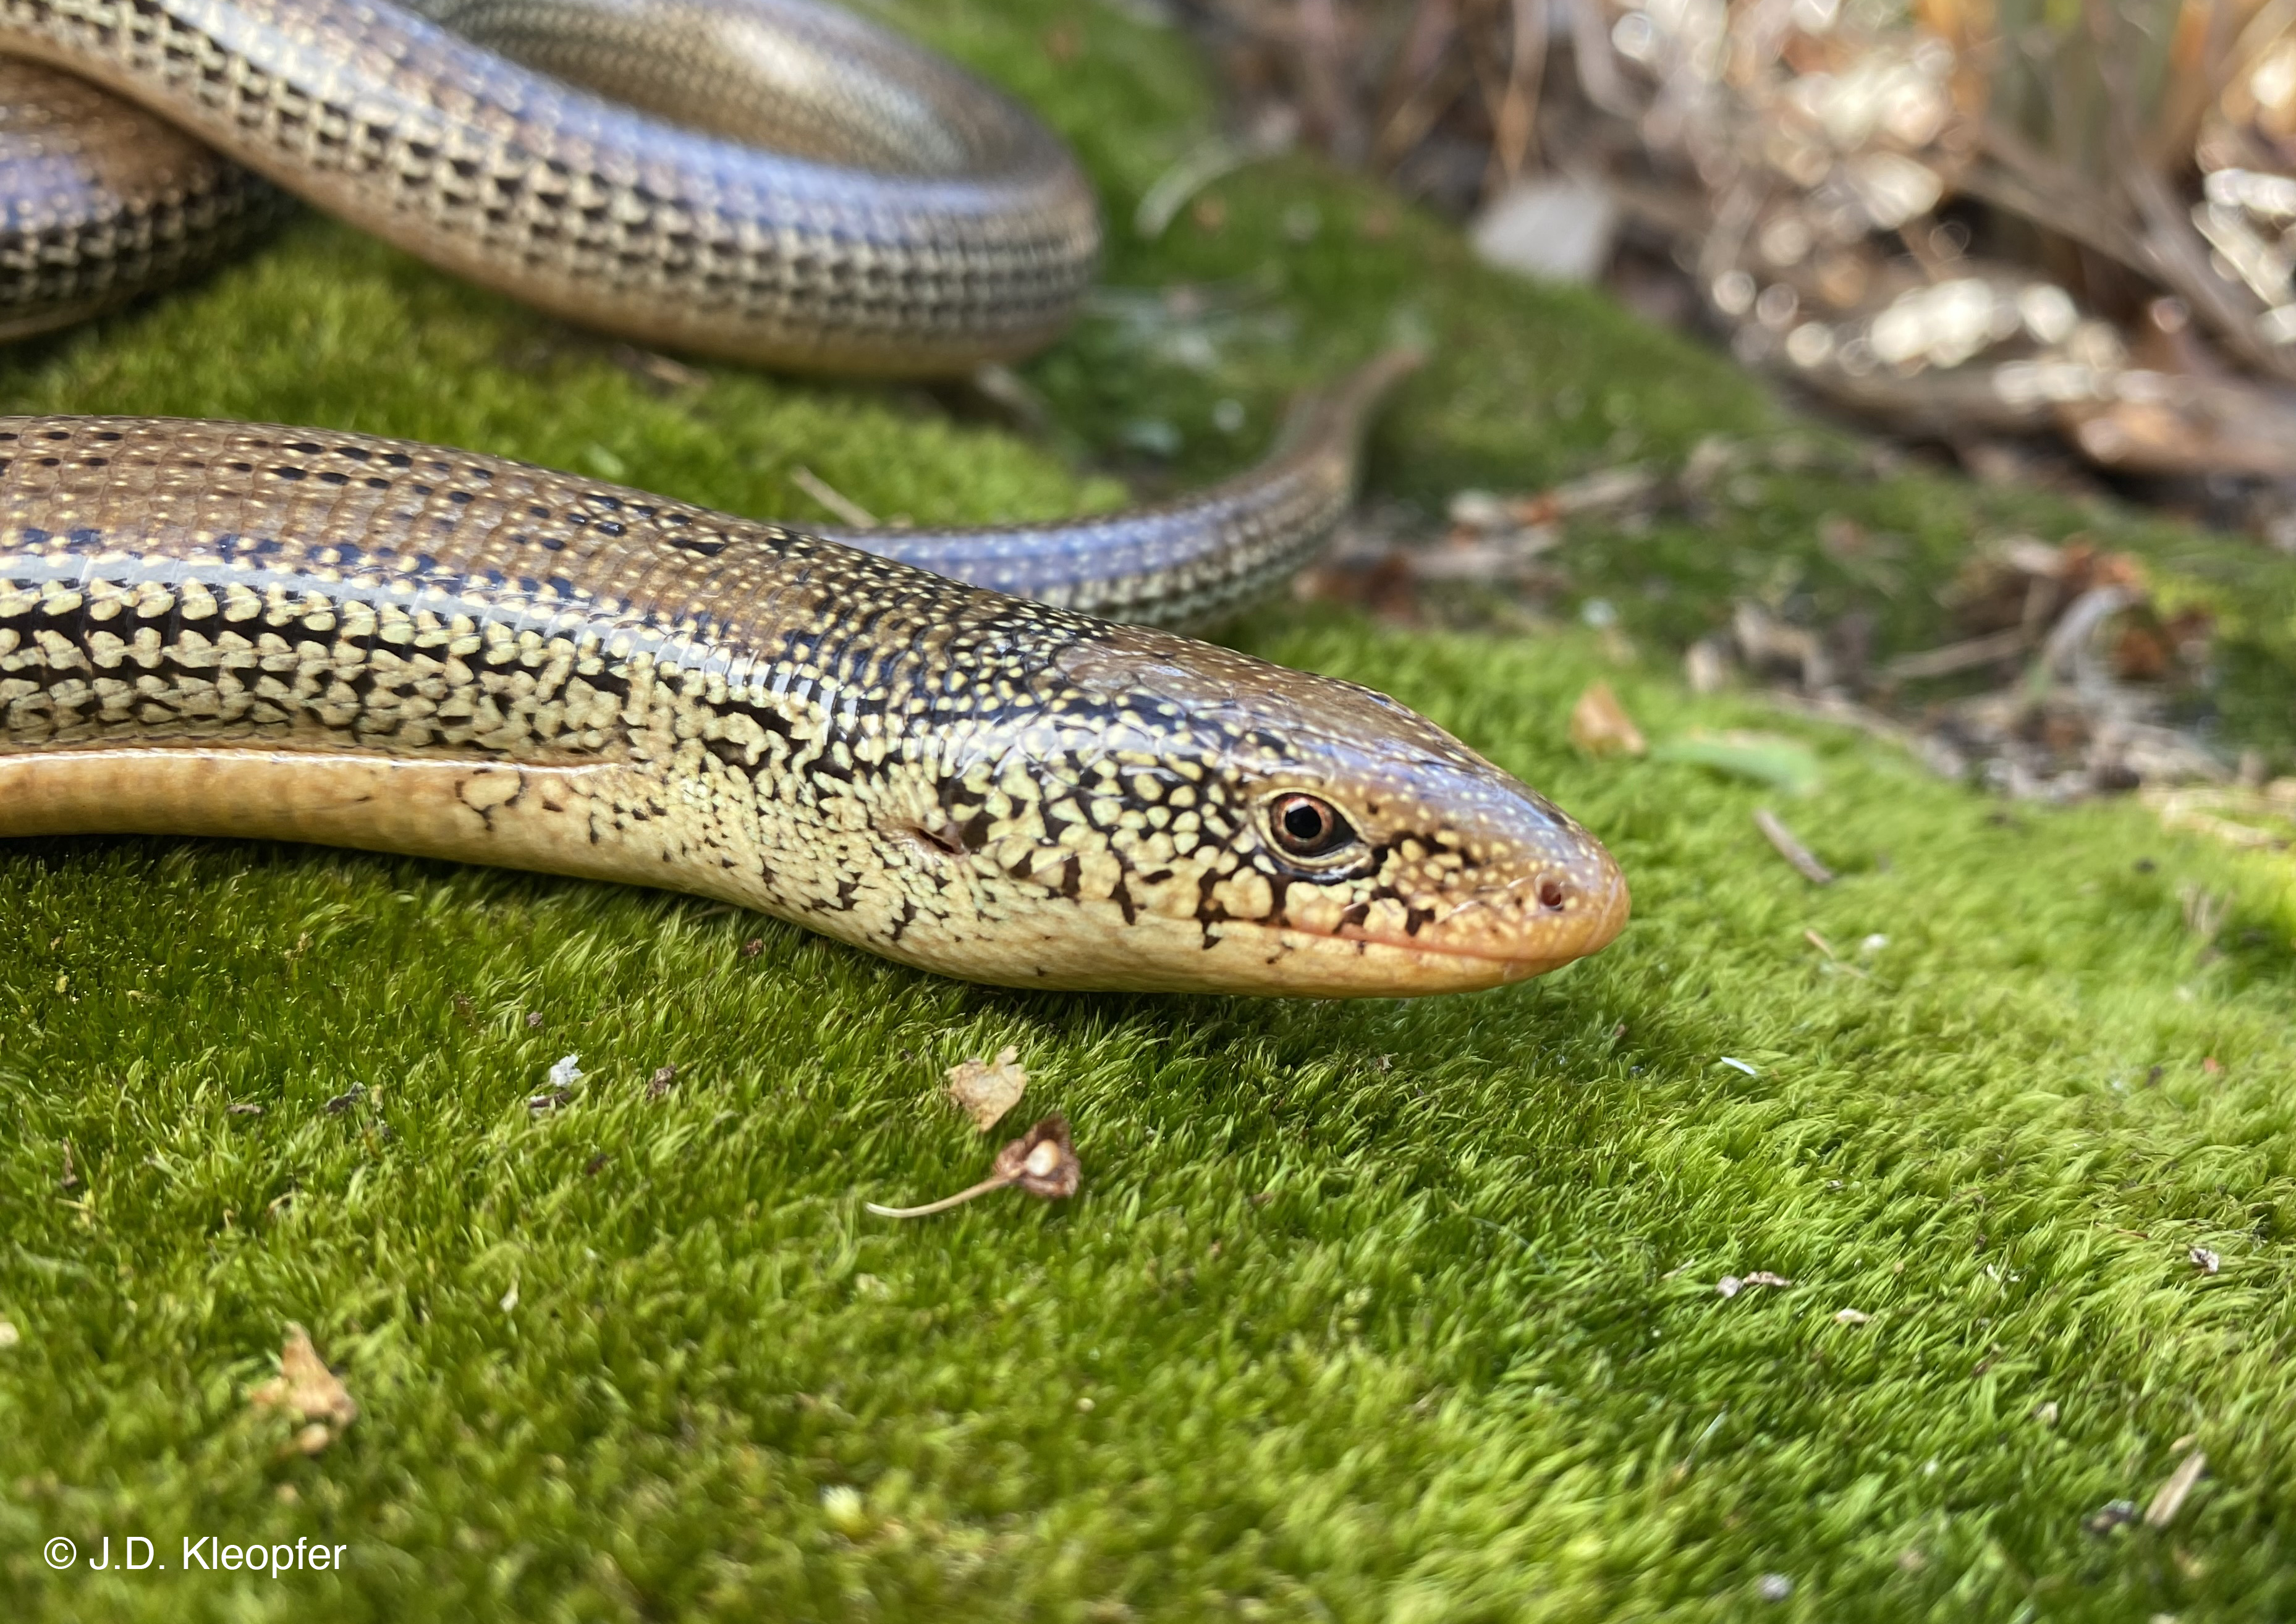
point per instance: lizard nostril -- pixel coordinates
(1552, 891)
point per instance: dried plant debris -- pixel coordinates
(2169, 1499)
(1968, 221)
(306, 1391)
(1796, 854)
(2254, 818)
(1041, 1162)
(2067, 678)
(2085, 672)
(986, 1090)
(1601, 726)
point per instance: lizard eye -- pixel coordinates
(1307, 826)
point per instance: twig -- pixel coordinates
(1416, 90)
(1514, 123)
(1958, 656)
(1791, 850)
(994, 1181)
(836, 501)
(2074, 628)
(1197, 168)
(1598, 68)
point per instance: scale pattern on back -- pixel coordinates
(232, 629)
(925, 226)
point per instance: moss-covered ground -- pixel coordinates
(1365, 1311)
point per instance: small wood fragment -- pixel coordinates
(1793, 851)
(2170, 1497)
(1989, 649)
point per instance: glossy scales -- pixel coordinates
(769, 180)
(229, 628)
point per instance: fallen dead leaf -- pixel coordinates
(307, 1390)
(1601, 726)
(986, 1090)
(9, 1335)
(1850, 1317)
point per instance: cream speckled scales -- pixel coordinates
(237, 629)
(935, 224)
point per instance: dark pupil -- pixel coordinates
(1304, 822)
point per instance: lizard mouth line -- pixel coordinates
(1530, 962)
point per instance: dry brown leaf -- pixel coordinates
(307, 1390)
(1601, 726)
(986, 1090)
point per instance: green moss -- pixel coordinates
(1377, 1310)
